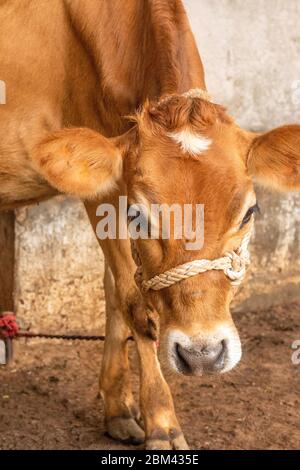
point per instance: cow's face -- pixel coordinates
(190, 152)
(183, 150)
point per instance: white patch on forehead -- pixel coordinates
(190, 142)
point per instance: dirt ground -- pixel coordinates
(49, 397)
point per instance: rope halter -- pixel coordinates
(234, 265)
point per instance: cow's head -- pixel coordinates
(183, 150)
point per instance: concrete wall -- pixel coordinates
(59, 268)
(251, 55)
(251, 51)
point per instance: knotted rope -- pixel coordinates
(8, 325)
(234, 265)
(10, 329)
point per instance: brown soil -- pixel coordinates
(49, 397)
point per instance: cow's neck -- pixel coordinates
(141, 49)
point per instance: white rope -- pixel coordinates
(233, 263)
(197, 93)
(192, 93)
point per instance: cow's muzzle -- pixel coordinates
(216, 352)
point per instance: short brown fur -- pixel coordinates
(85, 70)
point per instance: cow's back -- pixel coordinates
(50, 83)
(83, 63)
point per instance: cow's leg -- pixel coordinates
(161, 425)
(160, 422)
(121, 413)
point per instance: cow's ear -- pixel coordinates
(274, 158)
(80, 162)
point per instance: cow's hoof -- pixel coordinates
(126, 430)
(161, 440)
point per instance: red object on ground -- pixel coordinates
(8, 325)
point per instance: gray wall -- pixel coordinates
(251, 55)
(251, 51)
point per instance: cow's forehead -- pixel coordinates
(225, 192)
(212, 164)
(188, 152)
(190, 128)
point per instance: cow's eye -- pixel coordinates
(250, 212)
(131, 214)
(137, 214)
(130, 218)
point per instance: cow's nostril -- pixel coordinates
(181, 359)
(220, 357)
(196, 360)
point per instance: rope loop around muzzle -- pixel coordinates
(234, 264)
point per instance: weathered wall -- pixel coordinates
(251, 55)
(59, 268)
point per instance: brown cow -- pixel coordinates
(80, 64)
